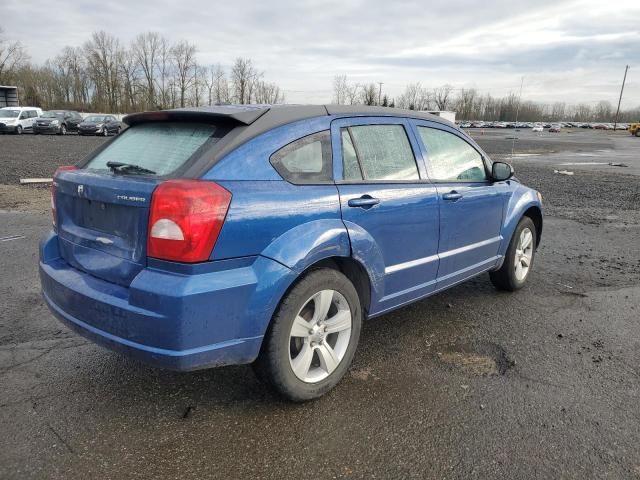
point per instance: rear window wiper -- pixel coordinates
(121, 167)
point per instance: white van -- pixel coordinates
(18, 119)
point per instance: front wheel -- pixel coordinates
(63, 129)
(312, 337)
(19, 130)
(519, 258)
(105, 132)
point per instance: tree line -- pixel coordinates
(150, 73)
(469, 104)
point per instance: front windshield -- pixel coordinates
(9, 113)
(94, 119)
(52, 115)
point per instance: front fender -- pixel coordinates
(309, 243)
(520, 201)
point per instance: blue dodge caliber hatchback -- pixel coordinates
(266, 235)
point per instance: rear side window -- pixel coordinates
(162, 147)
(383, 153)
(307, 160)
(451, 158)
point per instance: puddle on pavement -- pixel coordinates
(482, 359)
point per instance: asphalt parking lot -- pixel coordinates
(471, 383)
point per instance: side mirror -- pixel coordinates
(501, 171)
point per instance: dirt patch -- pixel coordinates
(482, 359)
(29, 199)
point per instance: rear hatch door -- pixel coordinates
(102, 222)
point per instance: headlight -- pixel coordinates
(539, 196)
(55, 122)
(99, 125)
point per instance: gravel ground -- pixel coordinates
(471, 383)
(24, 156)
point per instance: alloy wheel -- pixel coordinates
(523, 254)
(320, 336)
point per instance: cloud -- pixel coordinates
(571, 50)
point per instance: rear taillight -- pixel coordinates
(185, 220)
(53, 190)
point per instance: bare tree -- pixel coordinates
(12, 56)
(184, 57)
(353, 93)
(465, 102)
(146, 49)
(340, 89)
(414, 98)
(442, 97)
(221, 85)
(163, 82)
(369, 94)
(129, 70)
(268, 93)
(243, 79)
(103, 56)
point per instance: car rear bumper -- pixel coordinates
(211, 317)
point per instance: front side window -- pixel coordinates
(307, 160)
(161, 147)
(383, 153)
(451, 158)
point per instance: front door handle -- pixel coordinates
(452, 196)
(365, 201)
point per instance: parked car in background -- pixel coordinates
(57, 121)
(537, 128)
(600, 126)
(18, 119)
(236, 234)
(555, 128)
(100, 125)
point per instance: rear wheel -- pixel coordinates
(312, 337)
(519, 258)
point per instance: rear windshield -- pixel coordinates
(160, 147)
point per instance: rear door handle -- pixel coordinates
(366, 201)
(452, 196)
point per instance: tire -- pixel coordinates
(63, 129)
(105, 132)
(638, 132)
(118, 131)
(19, 130)
(513, 274)
(321, 357)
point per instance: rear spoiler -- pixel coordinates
(237, 114)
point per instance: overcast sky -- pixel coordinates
(566, 50)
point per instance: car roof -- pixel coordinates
(254, 120)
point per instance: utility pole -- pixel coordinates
(379, 92)
(615, 125)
